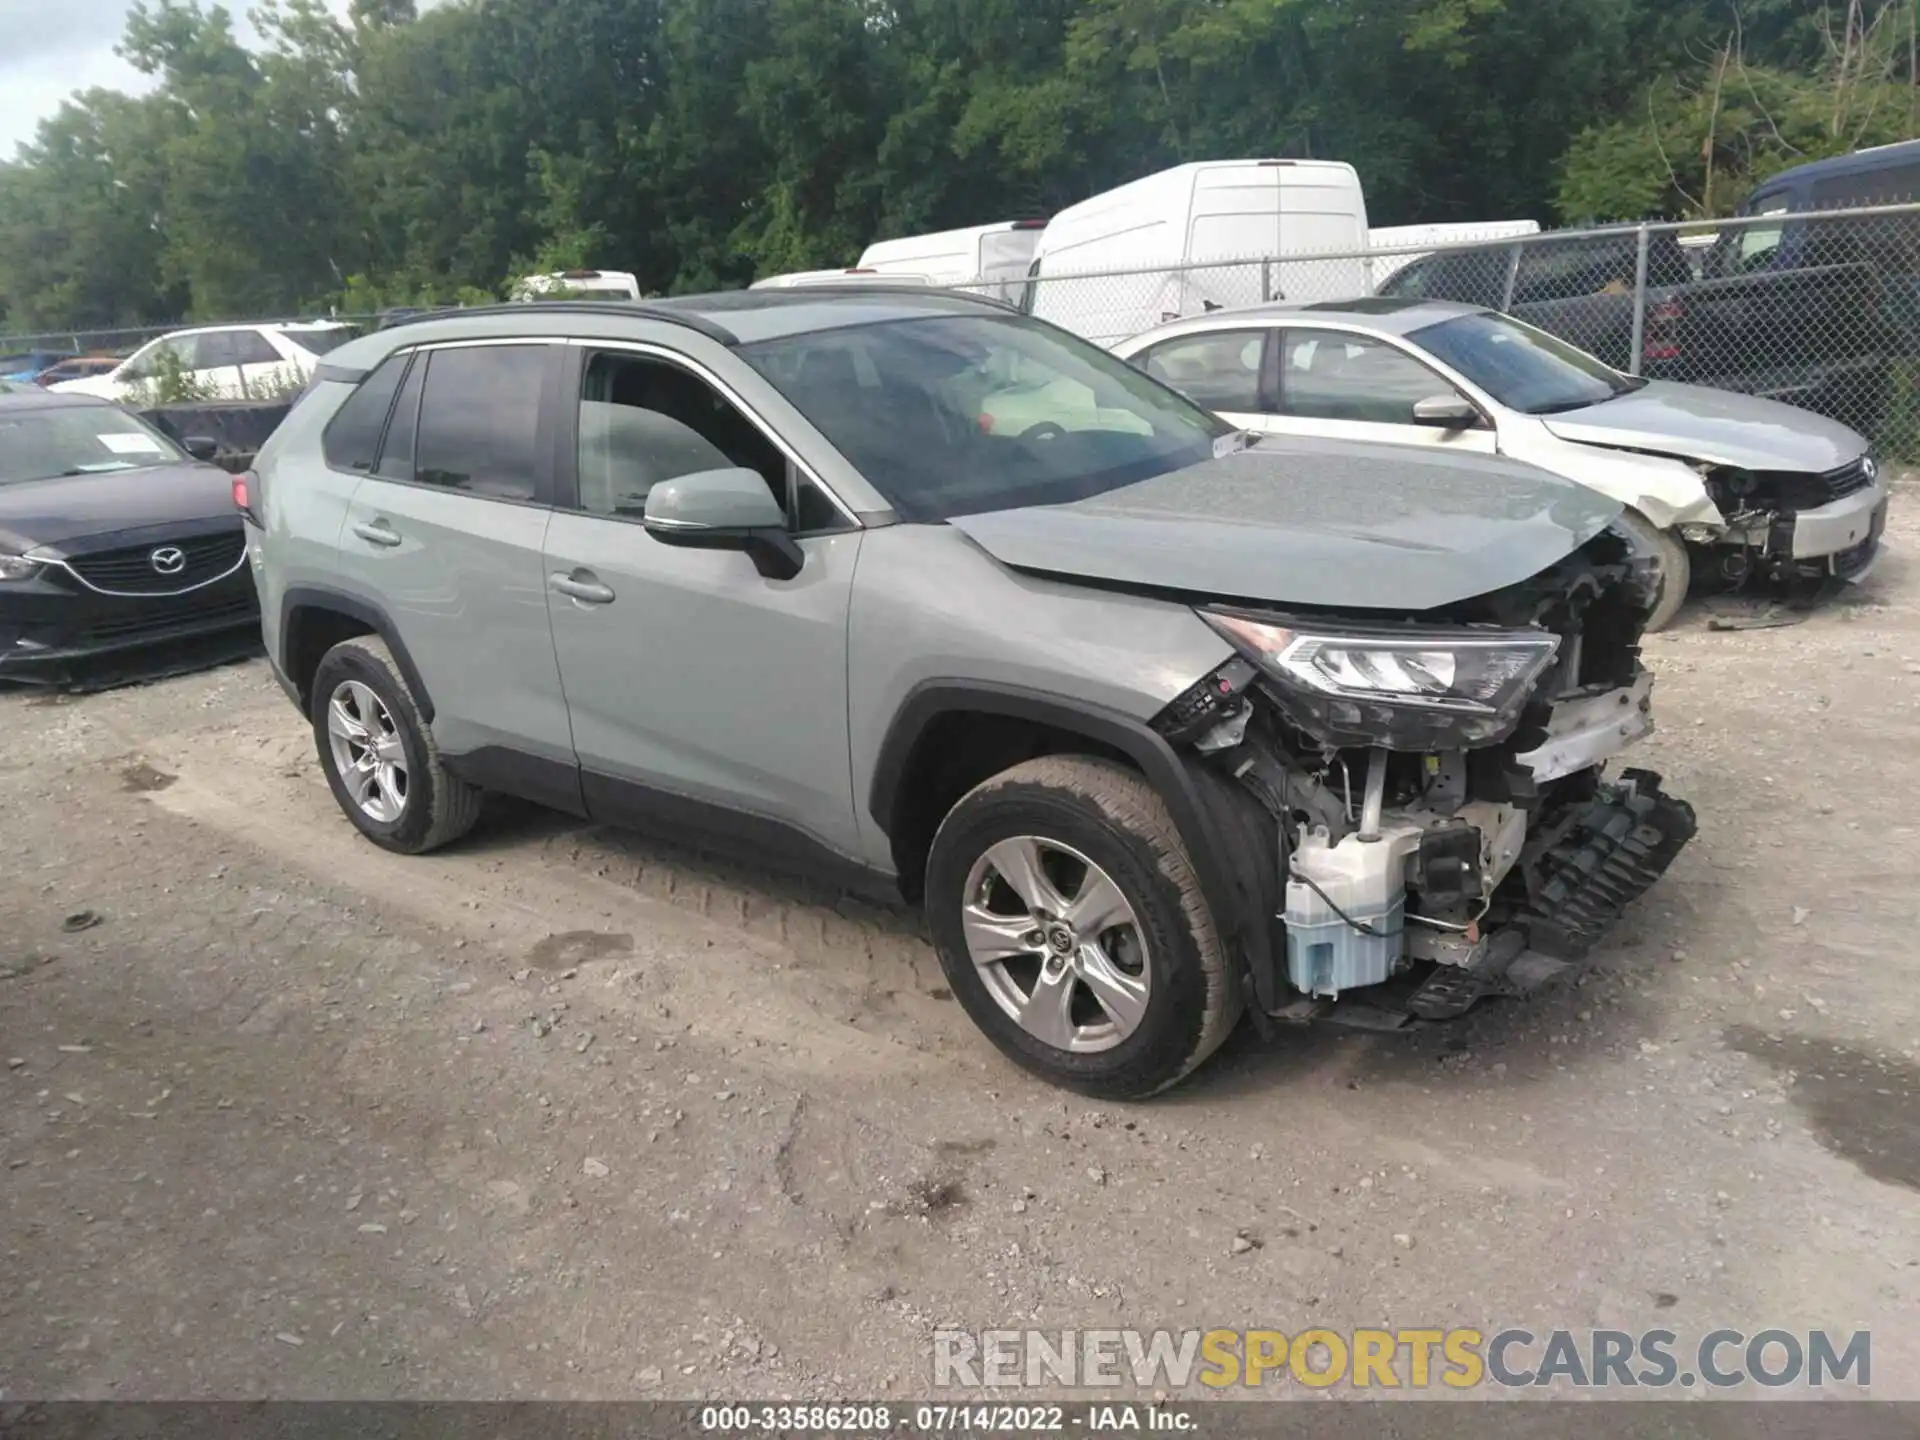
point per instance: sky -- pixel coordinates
(50, 48)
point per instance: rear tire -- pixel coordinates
(1144, 990)
(1676, 567)
(379, 756)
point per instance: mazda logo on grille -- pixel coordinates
(168, 560)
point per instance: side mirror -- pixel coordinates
(725, 510)
(1448, 412)
(201, 447)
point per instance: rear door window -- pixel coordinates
(1473, 277)
(250, 347)
(215, 350)
(1567, 269)
(1220, 370)
(480, 420)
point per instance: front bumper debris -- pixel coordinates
(1580, 875)
(1584, 872)
(1592, 730)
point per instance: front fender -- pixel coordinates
(1668, 491)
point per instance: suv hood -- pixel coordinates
(74, 507)
(1305, 522)
(1718, 426)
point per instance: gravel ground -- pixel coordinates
(563, 1113)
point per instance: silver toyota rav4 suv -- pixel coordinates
(1160, 725)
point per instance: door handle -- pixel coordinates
(377, 532)
(586, 591)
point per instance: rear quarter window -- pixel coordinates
(351, 440)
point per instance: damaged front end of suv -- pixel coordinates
(1425, 664)
(1422, 804)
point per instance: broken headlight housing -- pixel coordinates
(1405, 688)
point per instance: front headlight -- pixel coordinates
(1407, 689)
(18, 567)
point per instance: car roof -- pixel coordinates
(730, 317)
(1385, 314)
(277, 326)
(1860, 162)
(32, 397)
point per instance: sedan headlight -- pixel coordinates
(18, 567)
(1407, 689)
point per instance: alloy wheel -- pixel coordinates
(367, 751)
(1057, 944)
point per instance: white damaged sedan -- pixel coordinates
(1711, 478)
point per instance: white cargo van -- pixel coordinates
(999, 255)
(580, 284)
(1128, 253)
(1404, 238)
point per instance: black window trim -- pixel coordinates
(565, 458)
(544, 480)
(1392, 342)
(1266, 394)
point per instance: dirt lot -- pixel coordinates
(564, 1114)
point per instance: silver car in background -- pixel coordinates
(1713, 481)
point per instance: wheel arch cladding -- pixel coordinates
(313, 620)
(950, 735)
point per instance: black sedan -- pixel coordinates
(115, 544)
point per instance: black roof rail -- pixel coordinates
(625, 309)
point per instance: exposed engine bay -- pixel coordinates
(1425, 796)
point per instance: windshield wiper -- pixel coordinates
(108, 469)
(1561, 407)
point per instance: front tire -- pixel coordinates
(379, 756)
(1071, 927)
(1676, 567)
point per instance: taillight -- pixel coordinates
(244, 487)
(1662, 336)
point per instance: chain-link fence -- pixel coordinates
(1819, 309)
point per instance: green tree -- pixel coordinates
(1697, 142)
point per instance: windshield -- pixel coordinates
(42, 443)
(957, 414)
(1523, 368)
(319, 342)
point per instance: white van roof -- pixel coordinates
(943, 250)
(1183, 180)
